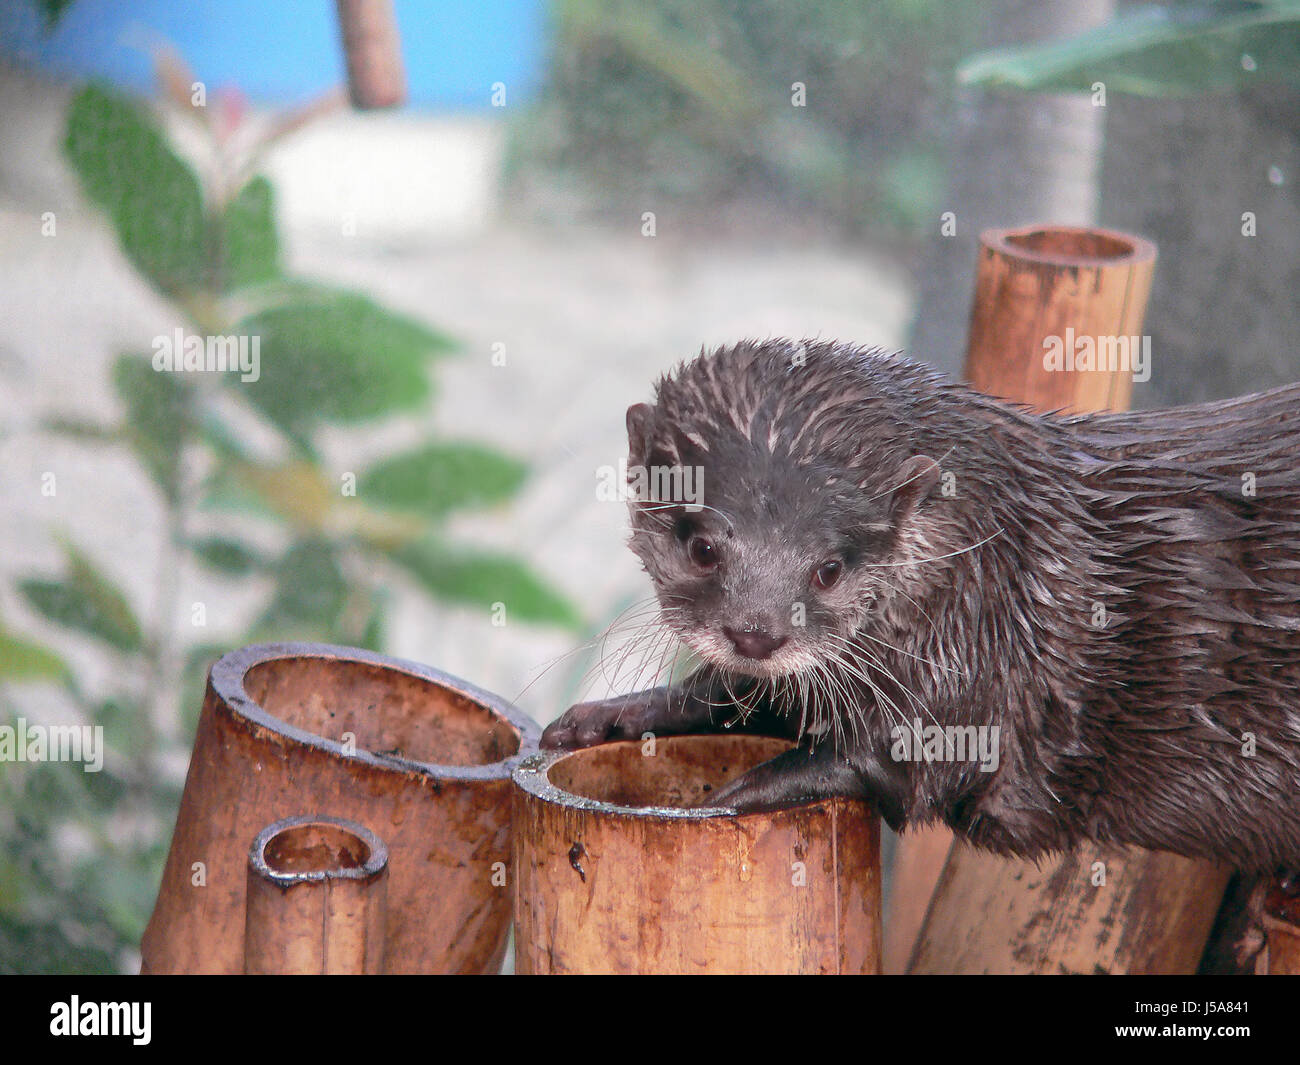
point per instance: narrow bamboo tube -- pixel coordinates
(919, 858)
(1032, 284)
(420, 758)
(617, 871)
(1037, 289)
(317, 896)
(373, 48)
(1041, 284)
(1152, 913)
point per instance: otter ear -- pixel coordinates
(914, 480)
(640, 433)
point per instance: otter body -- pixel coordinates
(1106, 606)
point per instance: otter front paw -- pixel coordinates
(799, 776)
(625, 717)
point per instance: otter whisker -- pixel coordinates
(862, 673)
(903, 651)
(619, 620)
(859, 670)
(649, 506)
(897, 588)
(935, 558)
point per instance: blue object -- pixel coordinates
(278, 52)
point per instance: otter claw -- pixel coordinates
(587, 724)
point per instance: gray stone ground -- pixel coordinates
(589, 317)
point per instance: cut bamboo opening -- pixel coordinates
(1043, 282)
(316, 899)
(617, 871)
(420, 758)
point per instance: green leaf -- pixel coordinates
(438, 478)
(159, 417)
(223, 439)
(1170, 50)
(152, 198)
(126, 725)
(225, 555)
(310, 592)
(81, 429)
(375, 632)
(105, 789)
(337, 358)
(296, 492)
(22, 660)
(483, 580)
(247, 239)
(194, 684)
(86, 601)
(225, 489)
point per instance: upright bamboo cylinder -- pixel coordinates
(1098, 909)
(1035, 287)
(1048, 293)
(1057, 323)
(317, 898)
(919, 858)
(421, 759)
(618, 872)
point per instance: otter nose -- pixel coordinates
(755, 643)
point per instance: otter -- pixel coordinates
(885, 566)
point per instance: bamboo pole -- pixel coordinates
(618, 872)
(316, 899)
(1152, 913)
(373, 49)
(1031, 284)
(1043, 282)
(421, 759)
(1046, 297)
(919, 858)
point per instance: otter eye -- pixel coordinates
(702, 552)
(828, 573)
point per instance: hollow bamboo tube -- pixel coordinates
(316, 899)
(919, 858)
(1032, 284)
(617, 872)
(1037, 287)
(1151, 914)
(373, 49)
(421, 759)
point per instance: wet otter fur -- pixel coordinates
(1119, 594)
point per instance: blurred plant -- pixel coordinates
(694, 100)
(52, 11)
(1177, 49)
(329, 359)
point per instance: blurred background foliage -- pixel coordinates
(690, 103)
(81, 853)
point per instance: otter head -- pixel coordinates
(765, 558)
